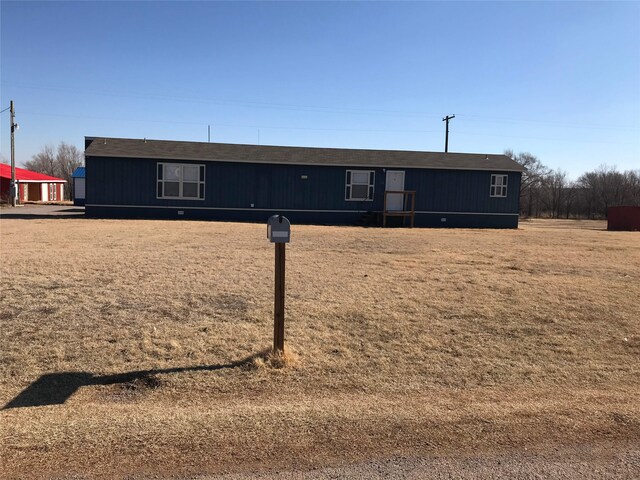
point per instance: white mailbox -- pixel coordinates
(278, 229)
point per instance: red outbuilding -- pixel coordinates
(32, 186)
(623, 218)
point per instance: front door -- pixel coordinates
(395, 182)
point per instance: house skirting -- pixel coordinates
(318, 217)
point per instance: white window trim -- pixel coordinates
(201, 183)
(493, 186)
(369, 185)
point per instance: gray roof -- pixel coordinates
(229, 152)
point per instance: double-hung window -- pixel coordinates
(498, 185)
(180, 180)
(359, 185)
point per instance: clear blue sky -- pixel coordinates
(560, 80)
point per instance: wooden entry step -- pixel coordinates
(408, 206)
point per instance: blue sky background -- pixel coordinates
(560, 80)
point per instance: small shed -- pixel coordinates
(32, 186)
(625, 218)
(79, 186)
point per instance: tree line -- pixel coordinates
(57, 162)
(545, 192)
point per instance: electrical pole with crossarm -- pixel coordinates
(446, 136)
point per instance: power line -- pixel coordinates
(481, 118)
(285, 127)
(273, 127)
(320, 108)
(549, 139)
(282, 106)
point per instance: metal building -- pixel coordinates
(170, 179)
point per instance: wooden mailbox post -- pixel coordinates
(279, 232)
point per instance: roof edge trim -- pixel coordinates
(358, 165)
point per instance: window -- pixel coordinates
(498, 185)
(53, 192)
(359, 185)
(180, 180)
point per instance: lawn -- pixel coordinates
(141, 346)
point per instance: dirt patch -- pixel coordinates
(132, 390)
(140, 385)
(232, 303)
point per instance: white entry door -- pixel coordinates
(395, 181)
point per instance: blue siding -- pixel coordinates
(124, 187)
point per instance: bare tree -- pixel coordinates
(605, 187)
(570, 199)
(633, 184)
(532, 178)
(555, 186)
(44, 162)
(587, 184)
(68, 158)
(549, 192)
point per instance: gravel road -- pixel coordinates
(583, 464)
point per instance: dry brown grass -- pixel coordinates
(404, 342)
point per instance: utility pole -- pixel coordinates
(209, 133)
(12, 188)
(446, 136)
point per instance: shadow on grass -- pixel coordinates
(56, 388)
(42, 214)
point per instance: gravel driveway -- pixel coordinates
(578, 464)
(30, 211)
